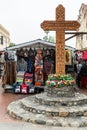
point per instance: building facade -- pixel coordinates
(81, 40)
(4, 38)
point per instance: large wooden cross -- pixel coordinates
(60, 26)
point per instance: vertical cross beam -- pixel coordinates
(60, 42)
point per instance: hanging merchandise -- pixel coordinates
(2, 64)
(68, 57)
(49, 63)
(21, 52)
(84, 55)
(6, 55)
(25, 53)
(79, 55)
(30, 61)
(10, 72)
(39, 68)
(30, 52)
(21, 65)
(52, 54)
(9, 55)
(18, 53)
(30, 64)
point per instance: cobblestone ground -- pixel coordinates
(6, 98)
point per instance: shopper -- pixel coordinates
(83, 74)
(79, 66)
(75, 71)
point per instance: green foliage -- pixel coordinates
(48, 38)
(12, 44)
(51, 39)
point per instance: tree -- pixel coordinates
(51, 39)
(48, 37)
(11, 44)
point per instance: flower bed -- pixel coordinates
(56, 80)
(60, 85)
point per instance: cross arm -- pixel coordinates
(48, 25)
(60, 25)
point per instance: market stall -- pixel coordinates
(35, 61)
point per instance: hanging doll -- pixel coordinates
(39, 66)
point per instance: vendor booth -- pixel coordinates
(31, 63)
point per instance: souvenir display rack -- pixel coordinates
(1, 64)
(9, 74)
(36, 62)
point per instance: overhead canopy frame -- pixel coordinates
(75, 34)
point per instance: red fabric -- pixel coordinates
(24, 87)
(29, 74)
(84, 81)
(84, 55)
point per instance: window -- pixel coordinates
(86, 37)
(1, 39)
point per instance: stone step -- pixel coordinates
(79, 99)
(30, 105)
(16, 111)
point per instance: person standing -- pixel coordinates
(79, 66)
(75, 70)
(83, 74)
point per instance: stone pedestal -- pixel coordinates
(61, 92)
(53, 111)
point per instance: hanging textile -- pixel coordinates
(79, 55)
(39, 68)
(84, 55)
(30, 62)
(68, 57)
(21, 65)
(49, 63)
(11, 72)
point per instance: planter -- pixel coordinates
(61, 92)
(60, 85)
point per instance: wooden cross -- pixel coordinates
(60, 26)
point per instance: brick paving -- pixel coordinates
(7, 98)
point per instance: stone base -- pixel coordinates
(53, 111)
(77, 100)
(61, 92)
